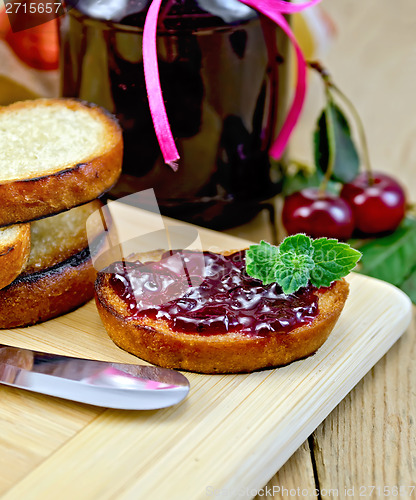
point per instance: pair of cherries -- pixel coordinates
(367, 206)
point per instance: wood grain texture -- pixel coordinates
(295, 476)
(233, 432)
(372, 59)
(32, 428)
(375, 422)
(370, 438)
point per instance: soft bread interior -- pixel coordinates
(14, 251)
(61, 137)
(10, 235)
(57, 238)
(59, 275)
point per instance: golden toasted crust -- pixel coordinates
(49, 293)
(59, 237)
(58, 276)
(14, 252)
(67, 186)
(156, 342)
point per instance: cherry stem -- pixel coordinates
(329, 84)
(330, 131)
(361, 132)
(301, 166)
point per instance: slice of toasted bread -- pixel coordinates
(37, 297)
(155, 341)
(55, 154)
(14, 251)
(58, 276)
(59, 237)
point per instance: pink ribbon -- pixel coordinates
(274, 10)
(154, 91)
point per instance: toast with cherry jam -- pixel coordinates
(223, 321)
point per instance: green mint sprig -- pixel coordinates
(299, 260)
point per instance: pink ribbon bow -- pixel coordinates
(274, 10)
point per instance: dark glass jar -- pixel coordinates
(224, 89)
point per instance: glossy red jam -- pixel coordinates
(220, 299)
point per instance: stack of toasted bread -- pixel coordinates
(57, 157)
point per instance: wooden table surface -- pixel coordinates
(369, 440)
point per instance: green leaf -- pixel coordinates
(346, 164)
(391, 258)
(409, 286)
(333, 260)
(298, 260)
(299, 244)
(288, 265)
(261, 261)
(301, 180)
(293, 271)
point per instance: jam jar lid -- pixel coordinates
(178, 13)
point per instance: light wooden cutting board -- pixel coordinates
(226, 440)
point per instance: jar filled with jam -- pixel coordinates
(223, 75)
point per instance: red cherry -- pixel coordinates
(317, 214)
(378, 206)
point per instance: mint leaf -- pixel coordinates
(300, 260)
(289, 265)
(293, 271)
(333, 260)
(261, 262)
(300, 244)
(295, 263)
(347, 162)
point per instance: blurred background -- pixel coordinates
(369, 48)
(373, 59)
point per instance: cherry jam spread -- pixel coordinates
(210, 294)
